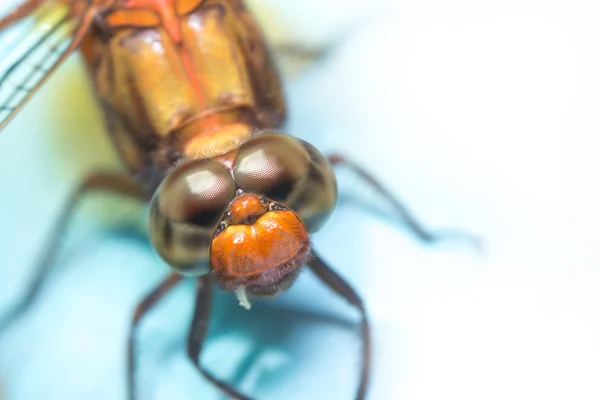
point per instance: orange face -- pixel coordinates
(260, 245)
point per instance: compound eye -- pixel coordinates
(271, 165)
(196, 193)
(185, 211)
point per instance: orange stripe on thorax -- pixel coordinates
(172, 24)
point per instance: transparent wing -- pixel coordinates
(29, 51)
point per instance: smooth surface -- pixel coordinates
(482, 115)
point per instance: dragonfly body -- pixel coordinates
(194, 106)
(185, 81)
(193, 80)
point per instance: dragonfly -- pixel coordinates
(194, 106)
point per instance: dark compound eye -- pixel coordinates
(271, 165)
(185, 212)
(291, 172)
(315, 198)
(196, 193)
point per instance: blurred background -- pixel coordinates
(481, 115)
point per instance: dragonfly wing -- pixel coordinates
(34, 48)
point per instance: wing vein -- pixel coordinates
(33, 62)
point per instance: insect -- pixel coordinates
(194, 107)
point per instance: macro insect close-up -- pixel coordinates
(170, 171)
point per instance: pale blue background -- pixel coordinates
(480, 114)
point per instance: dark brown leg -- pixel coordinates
(149, 301)
(108, 182)
(299, 52)
(198, 333)
(338, 285)
(402, 211)
(293, 59)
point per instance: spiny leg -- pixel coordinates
(198, 332)
(339, 286)
(293, 59)
(402, 211)
(108, 182)
(145, 305)
(300, 52)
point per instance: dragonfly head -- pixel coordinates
(247, 222)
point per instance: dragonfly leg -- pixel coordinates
(402, 211)
(198, 333)
(107, 182)
(300, 52)
(294, 58)
(145, 305)
(336, 283)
